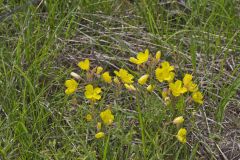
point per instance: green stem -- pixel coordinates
(106, 148)
(141, 126)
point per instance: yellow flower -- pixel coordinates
(192, 87)
(92, 93)
(178, 120)
(116, 80)
(99, 126)
(124, 76)
(164, 73)
(107, 117)
(142, 80)
(89, 117)
(158, 55)
(187, 78)
(188, 83)
(130, 87)
(177, 88)
(141, 57)
(99, 135)
(197, 97)
(71, 85)
(182, 135)
(150, 88)
(99, 70)
(84, 65)
(106, 77)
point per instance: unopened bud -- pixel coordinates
(75, 75)
(178, 120)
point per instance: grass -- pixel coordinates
(41, 44)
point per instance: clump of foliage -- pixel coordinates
(151, 74)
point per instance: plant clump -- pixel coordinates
(149, 74)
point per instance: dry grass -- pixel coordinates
(205, 43)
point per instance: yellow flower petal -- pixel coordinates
(164, 73)
(158, 55)
(89, 117)
(165, 65)
(107, 117)
(96, 97)
(69, 91)
(134, 60)
(71, 85)
(130, 87)
(97, 90)
(178, 120)
(106, 77)
(197, 97)
(99, 135)
(84, 65)
(187, 78)
(142, 80)
(177, 88)
(182, 135)
(89, 88)
(192, 87)
(141, 57)
(172, 75)
(92, 93)
(150, 88)
(88, 94)
(159, 74)
(188, 83)
(124, 76)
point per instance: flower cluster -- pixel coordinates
(153, 75)
(93, 93)
(165, 74)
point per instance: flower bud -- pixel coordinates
(142, 80)
(99, 126)
(89, 117)
(130, 87)
(158, 55)
(178, 120)
(116, 80)
(99, 135)
(75, 75)
(150, 88)
(106, 77)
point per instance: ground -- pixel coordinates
(42, 42)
